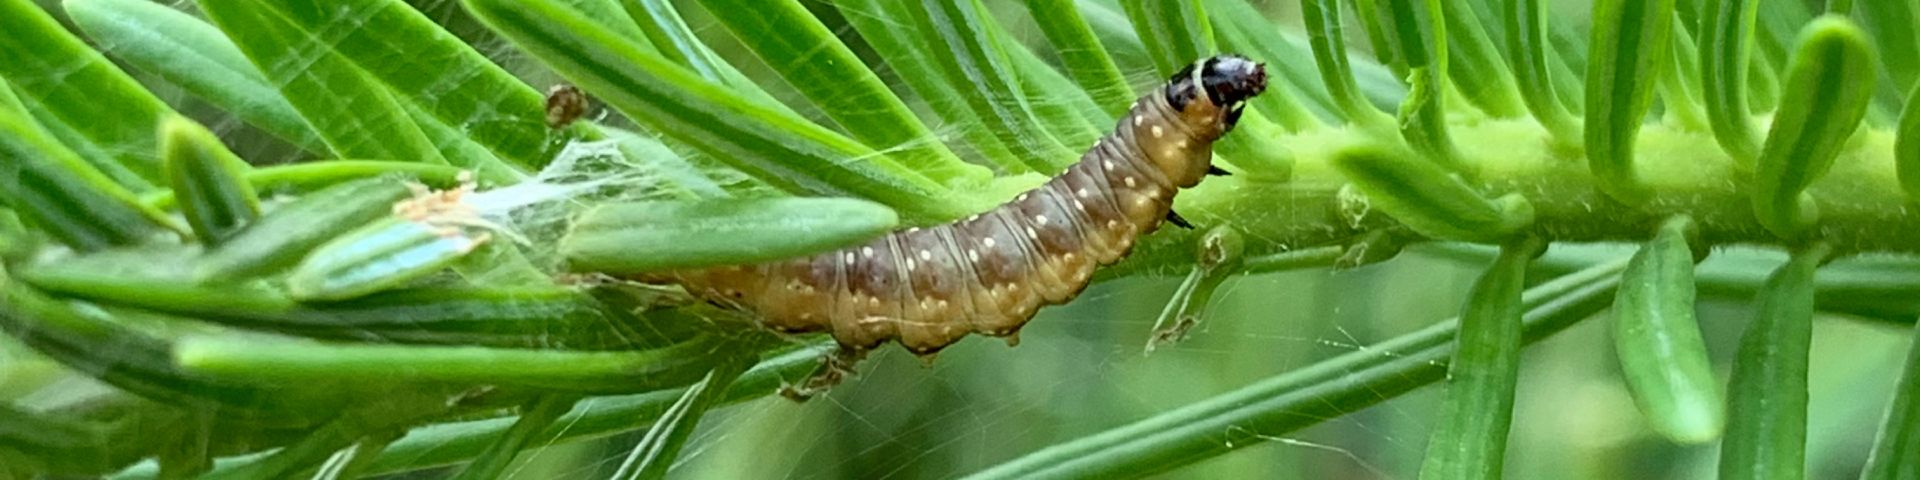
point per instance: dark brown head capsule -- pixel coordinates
(1226, 81)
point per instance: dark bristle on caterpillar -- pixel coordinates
(987, 274)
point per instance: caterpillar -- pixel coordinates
(990, 273)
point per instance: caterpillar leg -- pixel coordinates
(834, 368)
(1175, 218)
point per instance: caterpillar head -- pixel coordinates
(1225, 82)
(1208, 97)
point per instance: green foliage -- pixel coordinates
(192, 54)
(1471, 441)
(91, 104)
(1657, 338)
(1218, 259)
(654, 455)
(643, 237)
(1829, 85)
(1630, 47)
(1428, 200)
(451, 280)
(219, 201)
(1767, 434)
(387, 254)
(808, 57)
(283, 237)
(1893, 454)
(51, 187)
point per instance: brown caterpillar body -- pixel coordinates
(929, 287)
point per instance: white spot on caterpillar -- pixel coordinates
(849, 258)
(873, 302)
(1131, 182)
(1012, 287)
(942, 304)
(1169, 152)
(926, 255)
(868, 251)
(973, 255)
(1157, 131)
(1067, 256)
(1021, 198)
(1082, 192)
(973, 217)
(1040, 219)
(1106, 164)
(1141, 201)
(988, 242)
(1113, 224)
(1182, 143)
(914, 229)
(1137, 120)
(1031, 234)
(1079, 206)
(912, 265)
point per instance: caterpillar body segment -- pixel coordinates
(988, 274)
